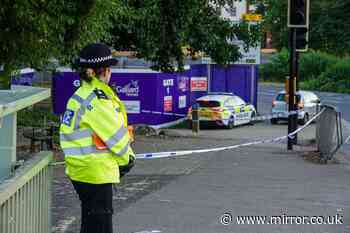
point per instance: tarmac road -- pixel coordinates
(266, 92)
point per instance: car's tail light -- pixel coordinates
(301, 105)
(217, 109)
(131, 133)
(273, 103)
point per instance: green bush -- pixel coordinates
(337, 77)
(36, 117)
(318, 71)
(313, 64)
(277, 69)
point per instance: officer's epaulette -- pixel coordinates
(100, 94)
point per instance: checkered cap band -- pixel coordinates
(95, 60)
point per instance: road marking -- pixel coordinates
(63, 225)
(153, 231)
(165, 200)
(267, 93)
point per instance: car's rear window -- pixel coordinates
(208, 104)
(281, 97)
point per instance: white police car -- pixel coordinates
(223, 109)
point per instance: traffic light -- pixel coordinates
(298, 13)
(302, 39)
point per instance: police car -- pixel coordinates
(223, 109)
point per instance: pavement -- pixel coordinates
(191, 193)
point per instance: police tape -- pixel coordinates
(168, 154)
(347, 140)
(256, 118)
(164, 113)
(188, 152)
(347, 125)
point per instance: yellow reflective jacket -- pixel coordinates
(95, 109)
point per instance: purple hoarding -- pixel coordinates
(156, 98)
(150, 97)
(241, 80)
(64, 84)
(25, 77)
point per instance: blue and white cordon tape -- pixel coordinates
(168, 154)
(187, 152)
(347, 125)
(257, 118)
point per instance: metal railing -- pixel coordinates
(25, 198)
(329, 134)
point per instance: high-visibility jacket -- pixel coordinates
(95, 112)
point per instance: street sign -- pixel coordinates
(250, 56)
(252, 17)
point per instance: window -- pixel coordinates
(282, 97)
(208, 104)
(229, 103)
(238, 101)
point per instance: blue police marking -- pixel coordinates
(67, 117)
(89, 107)
(100, 94)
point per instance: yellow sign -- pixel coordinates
(252, 17)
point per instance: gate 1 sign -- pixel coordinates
(199, 84)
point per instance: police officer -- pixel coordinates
(95, 139)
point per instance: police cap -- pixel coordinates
(96, 55)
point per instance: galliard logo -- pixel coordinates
(76, 83)
(130, 89)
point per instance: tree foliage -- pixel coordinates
(159, 29)
(329, 24)
(34, 31)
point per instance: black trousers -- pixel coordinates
(96, 207)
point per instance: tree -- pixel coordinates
(159, 29)
(329, 23)
(34, 31)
